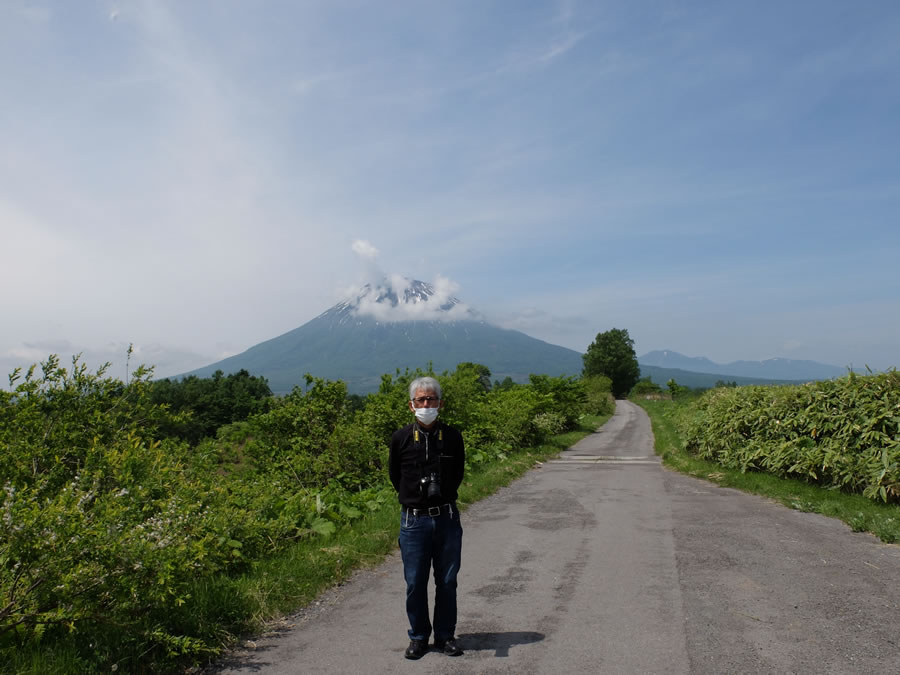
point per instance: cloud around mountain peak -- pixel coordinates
(396, 298)
(392, 298)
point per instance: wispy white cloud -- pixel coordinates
(364, 249)
(559, 47)
(555, 39)
(193, 174)
(521, 60)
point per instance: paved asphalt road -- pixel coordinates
(604, 562)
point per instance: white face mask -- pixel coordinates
(426, 415)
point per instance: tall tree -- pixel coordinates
(612, 354)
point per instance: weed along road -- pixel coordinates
(604, 562)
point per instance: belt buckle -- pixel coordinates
(434, 510)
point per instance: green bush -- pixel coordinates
(110, 526)
(598, 395)
(204, 405)
(645, 386)
(101, 523)
(842, 433)
(564, 397)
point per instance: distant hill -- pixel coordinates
(694, 380)
(768, 370)
(359, 340)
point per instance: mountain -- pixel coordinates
(768, 370)
(696, 380)
(396, 324)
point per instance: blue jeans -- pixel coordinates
(425, 542)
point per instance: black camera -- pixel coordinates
(430, 486)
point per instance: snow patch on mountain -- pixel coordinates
(393, 298)
(397, 298)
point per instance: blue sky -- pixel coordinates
(720, 178)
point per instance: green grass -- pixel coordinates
(860, 513)
(231, 607)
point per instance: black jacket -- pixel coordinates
(416, 453)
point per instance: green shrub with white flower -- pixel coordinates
(103, 525)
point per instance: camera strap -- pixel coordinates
(418, 436)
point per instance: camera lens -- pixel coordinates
(434, 486)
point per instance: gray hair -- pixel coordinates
(426, 384)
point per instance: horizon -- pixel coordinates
(197, 178)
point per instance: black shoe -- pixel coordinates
(416, 649)
(448, 647)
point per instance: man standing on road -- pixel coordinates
(426, 466)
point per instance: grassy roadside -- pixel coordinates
(230, 608)
(860, 513)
